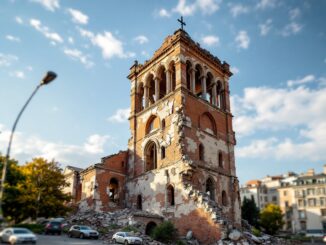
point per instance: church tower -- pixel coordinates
(181, 151)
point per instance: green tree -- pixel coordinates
(249, 211)
(271, 219)
(43, 185)
(14, 178)
(165, 232)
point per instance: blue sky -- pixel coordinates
(276, 49)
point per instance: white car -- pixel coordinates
(18, 235)
(126, 238)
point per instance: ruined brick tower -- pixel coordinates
(181, 151)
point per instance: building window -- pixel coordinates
(139, 202)
(170, 195)
(210, 190)
(163, 124)
(285, 193)
(151, 156)
(287, 204)
(310, 192)
(224, 199)
(220, 160)
(323, 212)
(301, 203)
(162, 152)
(312, 202)
(302, 214)
(201, 152)
(113, 190)
(322, 201)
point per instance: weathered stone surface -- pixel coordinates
(189, 235)
(235, 235)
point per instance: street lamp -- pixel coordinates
(49, 77)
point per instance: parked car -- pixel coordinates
(18, 235)
(126, 238)
(82, 231)
(53, 227)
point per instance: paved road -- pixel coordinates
(64, 240)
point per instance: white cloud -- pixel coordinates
(29, 68)
(53, 36)
(141, 39)
(7, 59)
(78, 55)
(307, 79)
(71, 40)
(205, 6)
(237, 9)
(25, 147)
(108, 43)
(211, 40)
(235, 70)
(294, 13)
(265, 4)
(242, 40)
(265, 27)
(51, 5)
(19, 20)
(12, 38)
(17, 74)
(120, 116)
(299, 109)
(164, 13)
(78, 17)
(291, 28)
(95, 143)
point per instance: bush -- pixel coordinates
(36, 228)
(165, 232)
(180, 242)
(256, 232)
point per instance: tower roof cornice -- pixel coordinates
(183, 37)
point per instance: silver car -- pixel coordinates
(82, 231)
(126, 238)
(18, 235)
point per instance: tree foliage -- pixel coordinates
(165, 232)
(250, 211)
(34, 189)
(271, 219)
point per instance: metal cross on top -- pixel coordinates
(181, 22)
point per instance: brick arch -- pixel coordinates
(150, 155)
(207, 123)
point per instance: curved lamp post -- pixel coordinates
(49, 77)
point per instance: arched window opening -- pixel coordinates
(173, 76)
(152, 124)
(210, 190)
(123, 164)
(220, 159)
(139, 202)
(198, 87)
(162, 78)
(113, 190)
(170, 195)
(151, 89)
(163, 124)
(224, 199)
(207, 123)
(188, 72)
(141, 98)
(209, 87)
(219, 95)
(201, 152)
(151, 156)
(162, 152)
(149, 228)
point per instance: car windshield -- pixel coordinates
(55, 223)
(85, 228)
(21, 231)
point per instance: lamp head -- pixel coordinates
(49, 77)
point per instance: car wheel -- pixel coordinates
(126, 242)
(81, 236)
(114, 241)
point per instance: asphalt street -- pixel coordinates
(64, 240)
